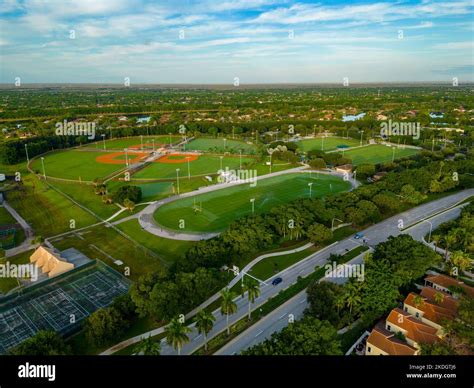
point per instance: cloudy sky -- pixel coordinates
(258, 41)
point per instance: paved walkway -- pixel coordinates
(147, 222)
(216, 296)
(29, 233)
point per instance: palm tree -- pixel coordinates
(417, 300)
(461, 261)
(435, 239)
(204, 324)
(228, 306)
(450, 240)
(148, 347)
(177, 334)
(340, 302)
(253, 292)
(352, 296)
(438, 298)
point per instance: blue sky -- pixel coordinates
(258, 41)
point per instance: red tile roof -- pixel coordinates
(448, 301)
(415, 329)
(386, 341)
(431, 311)
(447, 281)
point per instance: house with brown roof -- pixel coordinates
(382, 342)
(444, 283)
(414, 330)
(431, 307)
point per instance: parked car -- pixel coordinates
(358, 235)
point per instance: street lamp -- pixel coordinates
(252, 200)
(310, 186)
(431, 228)
(177, 179)
(44, 171)
(103, 139)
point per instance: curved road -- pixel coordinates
(437, 212)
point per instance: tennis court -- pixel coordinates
(59, 306)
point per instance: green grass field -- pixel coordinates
(7, 283)
(171, 250)
(272, 265)
(377, 153)
(217, 145)
(75, 164)
(120, 144)
(108, 245)
(206, 164)
(326, 144)
(85, 195)
(5, 217)
(47, 211)
(221, 207)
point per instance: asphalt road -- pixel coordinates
(374, 235)
(278, 319)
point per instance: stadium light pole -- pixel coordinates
(141, 141)
(225, 141)
(221, 157)
(153, 145)
(252, 200)
(44, 171)
(103, 139)
(27, 157)
(322, 143)
(240, 159)
(393, 154)
(126, 157)
(177, 179)
(310, 186)
(189, 171)
(169, 133)
(361, 134)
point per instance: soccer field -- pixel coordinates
(221, 207)
(135, 142)
(217, 145)
(326, 144)
(205, 164)
(377, 153)
(76, 165)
